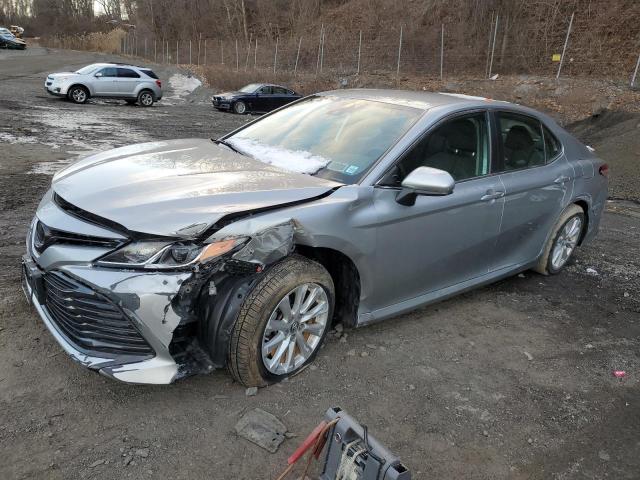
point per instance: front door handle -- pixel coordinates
(561, 180)
(492, 195)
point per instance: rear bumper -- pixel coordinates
(148, 309)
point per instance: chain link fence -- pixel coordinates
(569, 49)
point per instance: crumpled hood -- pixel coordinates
(178, 187)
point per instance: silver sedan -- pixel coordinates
(160, 260)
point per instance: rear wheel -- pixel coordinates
(145, 98)
(78, 94)
(562, 242)
(282, 323)
(240, 107)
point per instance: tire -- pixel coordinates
(78, 94)
(240, 107)
(131, 101)
(568, 229)
(146, 98)
(261, 309)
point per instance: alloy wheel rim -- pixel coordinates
(295, 329)
(240, 108)
(146, 99)
(79, 95)
(566, 242)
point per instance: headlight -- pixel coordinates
(159, 254)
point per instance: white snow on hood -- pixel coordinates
(299, 161)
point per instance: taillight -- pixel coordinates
(159, 83)
(604, 170)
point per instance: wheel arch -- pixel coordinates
(584, 205)
(78, 84)
(346, 280)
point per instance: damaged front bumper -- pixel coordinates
(143, 298)
(145, 325)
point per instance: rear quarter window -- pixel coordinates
(552, 146)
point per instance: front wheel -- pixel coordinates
(282, 323)
(240, 107)
(562, 242)
(145, 98)
(78, 94)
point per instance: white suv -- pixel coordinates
(107, 80)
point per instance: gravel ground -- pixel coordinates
(509, 381)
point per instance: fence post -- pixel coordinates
(246, 62)
(399, 53)
(564, 49)
(205, 52)
(177, 50)
(199, 45)
(222, 52)
(190, 62)
(319, 48)
(359, 52)
(486, 67)
(275, 58)
(237, 57)
(295, 68)
(442, 51)
(635, 72)
(322, 52)
(145, 47)
(493, 47)
(255, 55)
(155, 51)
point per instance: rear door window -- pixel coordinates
(522, 141)
(150, 73)
(127, 73)
(280, 91)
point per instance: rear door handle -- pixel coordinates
(562, 180)
(492, 195)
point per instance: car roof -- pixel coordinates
(116, 64)
(409, 98)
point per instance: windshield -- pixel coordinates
(4, 31)
(331, 137)
(87, 69)
(251, 88)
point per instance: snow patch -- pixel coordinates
(182, 85)
(299, 161)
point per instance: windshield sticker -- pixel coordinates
(351, 169)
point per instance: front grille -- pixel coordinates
(44, 237)
(90, 320)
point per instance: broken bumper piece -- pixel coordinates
(119, 323)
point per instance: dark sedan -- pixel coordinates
(255, 98)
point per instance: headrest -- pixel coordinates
(462, 136)
(518, 138)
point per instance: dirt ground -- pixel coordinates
(509, 381)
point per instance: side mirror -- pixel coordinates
(425, 181)
(98, 75)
